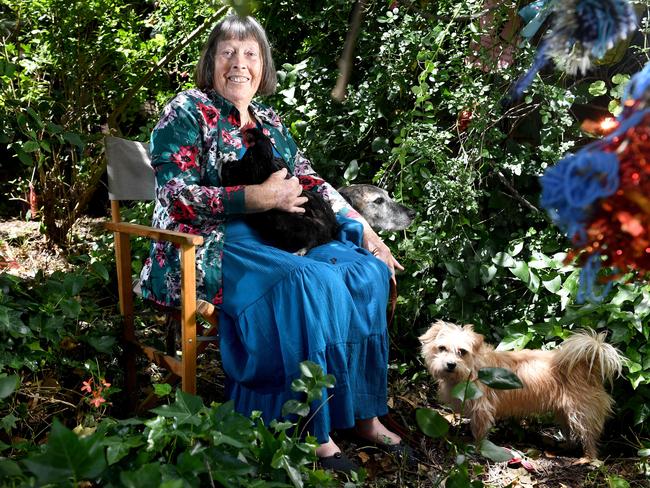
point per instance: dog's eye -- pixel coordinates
(462, 352)
(442, 348)
(378, 201)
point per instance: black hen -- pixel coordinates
(293, 232)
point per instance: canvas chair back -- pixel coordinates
(130, 175)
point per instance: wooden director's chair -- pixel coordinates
(131, 177)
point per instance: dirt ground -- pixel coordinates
(543, 462)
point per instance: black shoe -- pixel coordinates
(338, 462)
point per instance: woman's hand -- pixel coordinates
(373, 243)
(276, 192)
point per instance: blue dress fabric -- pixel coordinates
(280, 309)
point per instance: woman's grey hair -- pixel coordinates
(240, 28)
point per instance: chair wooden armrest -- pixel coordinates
(155, 233)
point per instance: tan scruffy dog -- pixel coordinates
(567, 381)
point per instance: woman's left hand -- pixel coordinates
(373, 243)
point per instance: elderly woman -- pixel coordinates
(276, 309)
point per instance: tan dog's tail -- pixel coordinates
(588, 348)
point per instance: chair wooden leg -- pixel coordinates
(123, 259)
(188, 318)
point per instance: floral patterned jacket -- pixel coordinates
(197, 132)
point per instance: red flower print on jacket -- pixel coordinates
(185, 158)
(181, 212)
(210, 114)
(160, 256)
(309, 182)
(229, 140)
(233, 119)
(215, 204)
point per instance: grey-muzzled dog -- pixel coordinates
(377, 207)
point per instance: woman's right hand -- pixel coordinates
(276, 192)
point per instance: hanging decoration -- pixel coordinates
(600, 196)
(582, 31)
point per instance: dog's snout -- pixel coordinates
(411, 213)
(451, 366)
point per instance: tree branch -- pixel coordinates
(346, 60)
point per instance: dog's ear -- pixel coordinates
(433, 331)
(477, 339)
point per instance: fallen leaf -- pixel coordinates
(407, 400)
(363, 457)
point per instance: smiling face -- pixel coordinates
(238, 71)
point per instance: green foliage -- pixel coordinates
(44, 321)
(186, 444)
(480, 250)
(68, 70)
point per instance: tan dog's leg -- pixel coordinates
(482, 419)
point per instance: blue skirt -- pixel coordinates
(280, 309)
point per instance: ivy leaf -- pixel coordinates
(8, 385)
(499, 378)
(162, 389)
(620, 78)
(67, 456)
(431, 422)
(494, 452)
(184, 409)
(73, 284)
(295, 407)
(282, 461)
(310, 369)
(597, 88)
(466, 390)
(147, 475)
(10, 322)
(624, 295)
